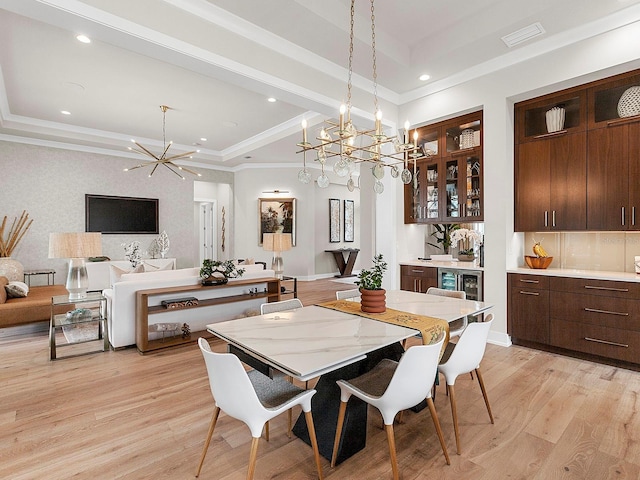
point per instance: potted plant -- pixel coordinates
(215, 272)
(443, 235)
(464, 237)
(372, 295)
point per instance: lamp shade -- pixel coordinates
(276, 242)
(75, 245)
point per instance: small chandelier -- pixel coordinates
(162, 159)
(350, 145)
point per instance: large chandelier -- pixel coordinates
(349, 146)
(163, 159)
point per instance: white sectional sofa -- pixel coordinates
(121, 301)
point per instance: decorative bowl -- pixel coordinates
(538, 262)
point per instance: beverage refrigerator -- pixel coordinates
(470, 281)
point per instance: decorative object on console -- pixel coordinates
(555, 119)
(463, 237)
(277, 243)
(163, 159)
(163, 244)
(372, 295)
(186, 330)
(132, 253)
(629, 103)
(79, 315)
(223, 229)
(215, 272)
(180, 303)
(153, 249)
(277, 215)
(11, 268)
(350, 145)
(76, 246)
(538, 262)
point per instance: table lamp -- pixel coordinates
(76, 246)
(277, 243)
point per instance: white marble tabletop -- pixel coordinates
(310, 341)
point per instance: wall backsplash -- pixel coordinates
(603, 251)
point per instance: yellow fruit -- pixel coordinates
(539, 251)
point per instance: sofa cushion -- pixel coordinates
(17, 289)
(116, 273)
(3, 293)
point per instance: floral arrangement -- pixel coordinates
(464, 236)
(443, 235)
(132, 253)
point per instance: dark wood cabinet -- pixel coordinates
(418, 278)
(583, 176)
(448, 182)
(529, 308)
(600, 318)
(550, 183)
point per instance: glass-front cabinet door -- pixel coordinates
(452, 189)
(432, 191)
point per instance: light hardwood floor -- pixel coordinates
(123, 415)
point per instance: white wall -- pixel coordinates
(598, 57)
(50, 184)
(307, 259)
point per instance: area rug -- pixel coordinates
(83, 332)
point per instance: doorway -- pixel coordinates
(207, 230)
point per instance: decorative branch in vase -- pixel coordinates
(11, 268)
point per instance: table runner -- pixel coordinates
(429, 327)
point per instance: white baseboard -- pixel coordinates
(499, 338)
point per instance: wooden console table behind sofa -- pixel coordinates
(148, 302)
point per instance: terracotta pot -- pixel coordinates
(373, 301)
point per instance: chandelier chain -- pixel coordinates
(373, 48)
(353, 2)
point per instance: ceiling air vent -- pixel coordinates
(523, 35)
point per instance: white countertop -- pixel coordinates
(440, 264)
(568, 272)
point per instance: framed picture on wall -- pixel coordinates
(277, 215)
(334, 220)
(349, 218)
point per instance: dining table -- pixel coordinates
(334, 341)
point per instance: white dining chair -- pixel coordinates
(347, 294)
(392, 387)
(456, 327)
(252, 398)
(280, 306)
(465, 357)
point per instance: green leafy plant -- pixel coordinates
(372, 279)
(226, 269)
(443, 235)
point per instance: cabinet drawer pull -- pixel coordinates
(606, 342)
(595, 310)
(530, 281)
(417, 271)
(529, 293)
(609, 289)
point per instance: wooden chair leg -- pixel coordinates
(212, 425)
(290, 426)
(436, 423)
(392, 451)
(336, 442)
(400, 416)
(314, 442)
(266, 431)
(484, 393)
(253, 455)
(454, 413)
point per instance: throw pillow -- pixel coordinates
(3, 292)
(116, 272)
(17, 289)
(151, 268)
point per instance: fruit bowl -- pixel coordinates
(538, 262)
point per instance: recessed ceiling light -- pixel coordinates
(271, 100)
(83, 38)
(424, 77)
(65, 112)
(202, 139)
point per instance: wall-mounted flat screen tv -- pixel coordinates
(109, 214)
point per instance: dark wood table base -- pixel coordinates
(345, 267)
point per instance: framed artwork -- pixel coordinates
(277, 215)
(334, 220)
(349, 217)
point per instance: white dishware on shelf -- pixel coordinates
(555, 119)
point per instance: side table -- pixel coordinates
(345, 267)
(51, 275)
(293, 291)
(79, 328)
